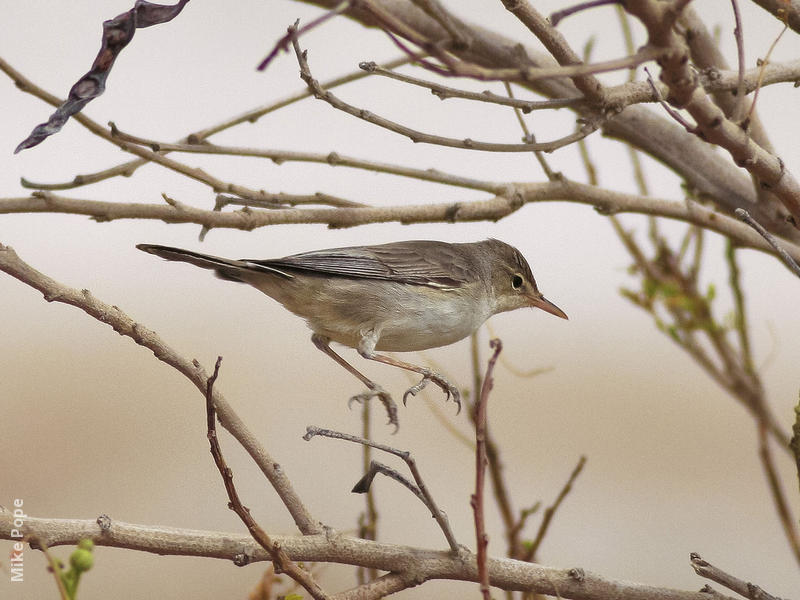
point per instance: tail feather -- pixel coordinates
(225, 268)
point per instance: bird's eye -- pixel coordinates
(516, 282)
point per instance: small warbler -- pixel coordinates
(397, 297)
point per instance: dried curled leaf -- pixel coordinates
(117, 33)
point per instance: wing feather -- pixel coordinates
(433, 264)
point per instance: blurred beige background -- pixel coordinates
(92, 423)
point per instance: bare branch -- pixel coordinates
(712, 123)
(444, 92)
(494, 209)
(709, 571)
(251, 116)
(333, 159)
(785, 256)
(283, 43)
(420, 137)
(556, 45)
(788, 522)
(738, 111)
(417, 564)
(476, 501)
(550, 511)
(786, 12)
(764, 63)
(420, 490)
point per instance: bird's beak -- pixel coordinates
(547, 306)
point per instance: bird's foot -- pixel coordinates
(429, 376)
(384, 397)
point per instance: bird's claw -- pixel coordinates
(384, 397)
(415, 389)
(429, 376)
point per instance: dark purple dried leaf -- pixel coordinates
(117, 33)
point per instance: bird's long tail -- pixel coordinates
(225, 268)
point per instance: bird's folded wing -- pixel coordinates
(434, 264)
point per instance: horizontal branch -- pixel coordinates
(514, 197)
(333, 159)
(425, 564)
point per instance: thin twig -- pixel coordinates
(251, 116)
(528, 137)
(333, 159)
(533, 74)
(444, 92)
(670, 111)
(426, 138)
(771, 239)
(480, 469)
(54, 566)
(736, 113)
(762, 69)
(368, 520)
(424, 493)
(279, 557)
(550, 511)
(283, 43)
(743, 588)
(500, 489)
(788, 522)
(559, 15)
(740, 315)
(117, 137)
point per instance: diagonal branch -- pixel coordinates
(54, 291)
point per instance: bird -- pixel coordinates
(395, 297)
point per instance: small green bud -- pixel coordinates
(81, 560)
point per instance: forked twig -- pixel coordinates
(420, 490)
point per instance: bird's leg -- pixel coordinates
(366, 348)
(374, 389)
